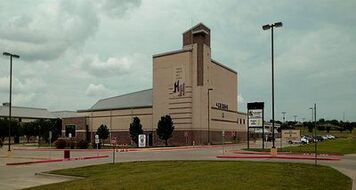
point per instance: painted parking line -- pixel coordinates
(56, 160)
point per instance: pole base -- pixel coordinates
(274, 151)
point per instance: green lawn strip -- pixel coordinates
(338, 146)
(203, 175)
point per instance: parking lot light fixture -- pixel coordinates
(10, 93)
(267, 27)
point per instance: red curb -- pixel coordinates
(74, 150)
(56, 160)
(281, 157)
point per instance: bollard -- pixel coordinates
(66, 154)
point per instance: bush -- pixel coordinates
(71, 144)
(82, 144)
(60, 144)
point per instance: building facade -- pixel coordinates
(199, 93)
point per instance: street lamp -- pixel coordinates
(10, 104)
(210, 89)
(284, 116)
(267, 27)
(315, 141)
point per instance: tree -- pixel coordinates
(349, 126)
(29, 130)
(310, 126)
(135, 129)
(165, 128)
(3, 129)
(328, 129)
(56, 129)
(103, 132)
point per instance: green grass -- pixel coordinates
(338, 146)
(203, 175)
(345, 134)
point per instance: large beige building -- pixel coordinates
(199, 93)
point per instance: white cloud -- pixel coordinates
(114, 8)
(240, 99)
(98, 90)
(109, 67)
(46, 31)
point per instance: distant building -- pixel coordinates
(25, 114)
(181, 83)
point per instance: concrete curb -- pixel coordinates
(56, 160)
(59, 176)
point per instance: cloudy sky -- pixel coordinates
(76, 52)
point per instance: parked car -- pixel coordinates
(304, 140)
(295, 142)
(270, 138)
(330, 136)
(319, 138)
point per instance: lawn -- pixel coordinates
(203, 175)
(339, 146)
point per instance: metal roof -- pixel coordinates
(140, 99)
(26, 112)
(65, 114)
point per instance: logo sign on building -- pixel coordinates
(179, 78)
(179, 88)
(222, 106)
(142, 140)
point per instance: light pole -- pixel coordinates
(10, 96)
(267, 27)
(315, 140)
(295, 118)
(210, 89)
(284, 116)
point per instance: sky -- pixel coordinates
(73, 52)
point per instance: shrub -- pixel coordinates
(71, 144)
(60, 144)
(82, 144)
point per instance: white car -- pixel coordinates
(304, 140)
(330, 136)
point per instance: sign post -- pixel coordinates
(113, 142)
(255, 116)
(50, 143)
(223, 140)
(141, 140)
(97, 143)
